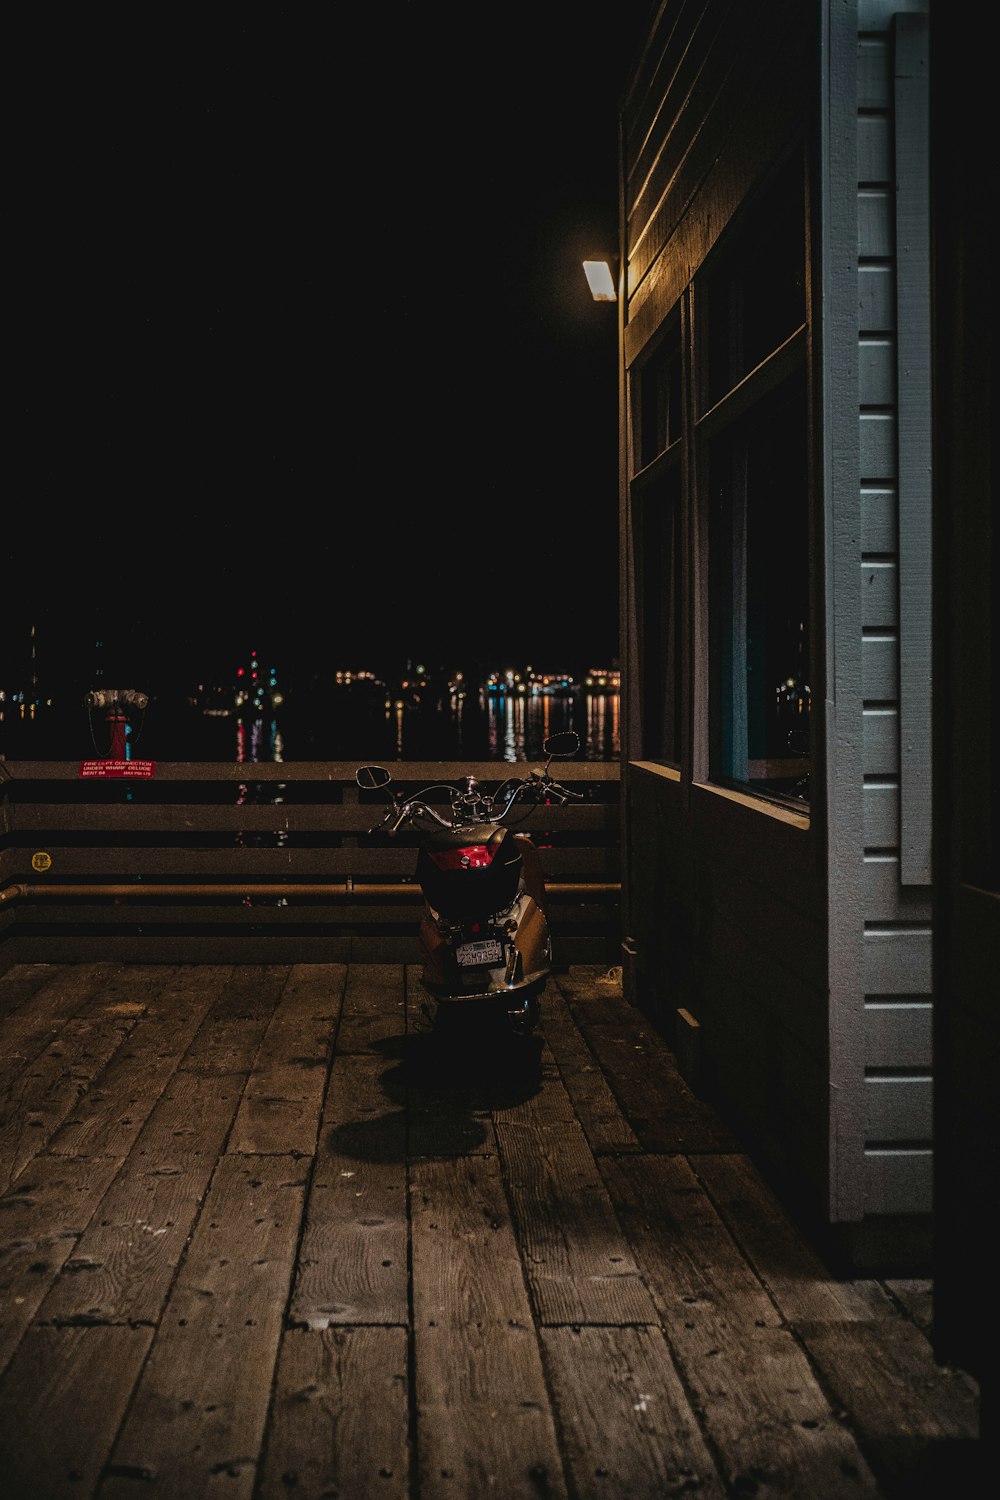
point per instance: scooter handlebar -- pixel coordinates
(416, 809)
(409, 811)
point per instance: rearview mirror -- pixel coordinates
(567, 743)
(371, 778)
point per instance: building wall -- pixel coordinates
(895, 474)
(787, 952)
(725, 894)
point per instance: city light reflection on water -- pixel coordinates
(496, 727)
(478, 726)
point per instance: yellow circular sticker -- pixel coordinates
(41, 861)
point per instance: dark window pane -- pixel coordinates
(660, 397)
(756, 295)
(759, 588)
(660, 573)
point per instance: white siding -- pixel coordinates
(893, 363)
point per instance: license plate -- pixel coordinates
(489, 951)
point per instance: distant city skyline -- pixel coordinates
(69, 663)
(252, 715)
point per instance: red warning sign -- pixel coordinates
(117, 767)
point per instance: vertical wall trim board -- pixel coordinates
(898, 1181)
(913, 355)
(842, 578)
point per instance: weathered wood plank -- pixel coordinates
(642, 1072)
(112, 1112)
(579, 1264)
(41, 1220)
(595, 1105)
(29, 989)
(197, 1422)
(688, 1254)
(339, 1420)
(352, 1264)
(35, 999)
(916, 1297)
(467, 1265)
(760, 1404)
(192, 1117)
(525, 1085)
(281, 1105)
(165, 1245)
(228, 1038)
(797, 1279)
(917, 1422)
(122, 1266)
(250, 994)
(623, 1416)
(185, 947)
(447, 1076)
(63, 1209)
(483, 1417)
(65, 993)
(36, 1103)
(84, 1375)
(374, 1009)
(484, 1421)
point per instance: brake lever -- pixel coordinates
(401, 816)
(393, 811)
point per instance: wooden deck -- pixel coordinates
(263, 1235)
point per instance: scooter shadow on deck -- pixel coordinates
(441, 1086)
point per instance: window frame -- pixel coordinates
(662, 718)
(713, 421)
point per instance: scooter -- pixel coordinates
(485, 943)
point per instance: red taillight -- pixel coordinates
(472, 857)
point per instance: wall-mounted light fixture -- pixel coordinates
(600, 280)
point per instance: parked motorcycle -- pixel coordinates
(485, 943)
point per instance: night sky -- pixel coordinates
(304, 358)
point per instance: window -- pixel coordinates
(719, 408)
(756, 293)
(657, 425)
(759, 598)
(660, 402)
(754, 467)
(658, 536)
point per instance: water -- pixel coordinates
(340, 727)
(491, 727)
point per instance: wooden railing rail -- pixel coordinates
(271, 862)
